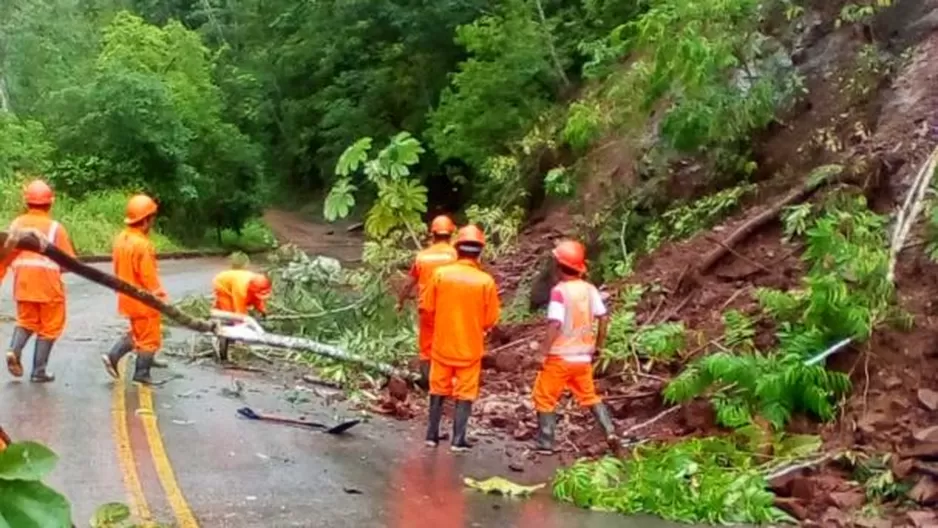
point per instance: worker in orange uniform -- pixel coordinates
(570, 346)
(135, 262)
(237, 290)
(428, 260)
(463, 301)
(37, 285)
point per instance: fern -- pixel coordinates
(660, 341)
(844, 294)
(739, 331)
(781, 306)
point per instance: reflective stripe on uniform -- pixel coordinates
(576, 341)
(38, 261)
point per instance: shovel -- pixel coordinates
(249, 413)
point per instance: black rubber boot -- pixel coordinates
(15, 355)
(424, 382)
(121, 348)
(601, 412)
(433, 421)
(142, 369)
(223, 349)
(546, 426)
(41, 360)
(460, 425)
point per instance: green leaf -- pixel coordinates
(798, 446)
(355, 155)
(339, 201)
(26, 461)
(501, 486)
(107, 515)
(30, 504)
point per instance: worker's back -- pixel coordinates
(36, 277)
(465, 303)
(427, 262)
(135, 262)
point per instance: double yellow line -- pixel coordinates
(128, 465)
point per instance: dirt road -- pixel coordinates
(318, 239)
(179, 454)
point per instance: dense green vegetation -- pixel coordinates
(217, 107)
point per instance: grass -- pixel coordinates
(93, 221)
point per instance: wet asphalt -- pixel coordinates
(202, 465)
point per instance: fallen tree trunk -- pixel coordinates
(29, 240)
(32, 240)
(819, 177)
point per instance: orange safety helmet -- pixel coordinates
(38, 192)
(471, 235)
(571, 254)
(260, 285)
(139, 208)
(442, 225)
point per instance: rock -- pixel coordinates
(925, 491)
(803, 488)
(793, 507)
(927, 434)
(516, 467)
(893, 382)
(834, 517)
(869, 424)
(902, 468)
(929, 450)
(923, 518)
(397, 388)
(863, 522)
(928, 398)
(783, 485)
(847, 500)
(522, 433)
(499, 421)
(508, 361)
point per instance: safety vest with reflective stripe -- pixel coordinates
(577, 340)
(29, 259)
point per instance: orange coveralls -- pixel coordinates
(575, 304)
(135, 262)
(425, 264)
(232, 292)
(464, 303)
(37, 281)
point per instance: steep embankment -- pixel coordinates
(871, 107)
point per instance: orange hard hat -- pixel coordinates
(442, 225)
(471, 235)
(571, 254)
(38, 192)
(260, 285)
(139, 208)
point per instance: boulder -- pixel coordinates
(925, 491)
(928, 398)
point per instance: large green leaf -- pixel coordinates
(25, 504)
(26, 461)
(353, 156)
(340, 200)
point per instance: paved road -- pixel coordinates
(178, 453)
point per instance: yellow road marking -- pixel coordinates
(125, 454)
(164, 469)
